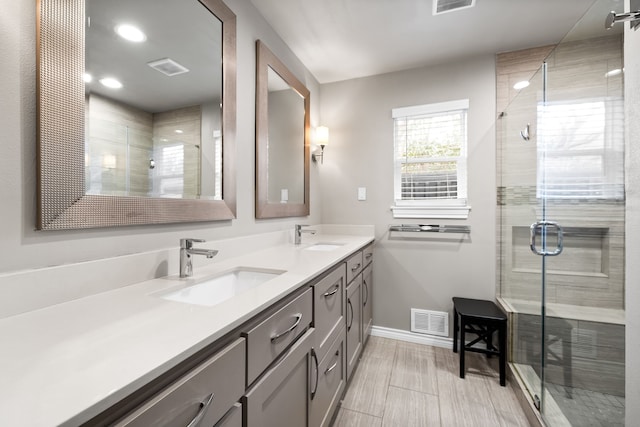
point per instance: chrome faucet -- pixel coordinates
(186, 250)
(298, 233)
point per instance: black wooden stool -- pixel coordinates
(483, 318)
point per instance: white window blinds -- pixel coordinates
(169, 171)
(430, 152)
(430, 155)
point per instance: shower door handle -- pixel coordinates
(544, 226)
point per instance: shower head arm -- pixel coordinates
(613, 18)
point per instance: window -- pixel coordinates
(169, 172)
(430, 173)
(581, 149)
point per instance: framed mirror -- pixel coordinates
(136, 112)
(282, 139)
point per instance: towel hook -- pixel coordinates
(525, 133)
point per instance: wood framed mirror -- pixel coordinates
(141, 170)
(282, 139)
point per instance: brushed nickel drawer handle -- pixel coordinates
(366, 288)
(350, 321)
(333, 292)
(367, 256)
(332, 367)
(315, 357)
(204, 406)
(298, 317)
(356, 267)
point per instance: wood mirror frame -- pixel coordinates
(265, 59)
(62, 202)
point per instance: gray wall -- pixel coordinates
(632, 288)
(422, 271)
(23, 248)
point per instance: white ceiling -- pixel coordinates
(345, 39)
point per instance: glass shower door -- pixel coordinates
(561, 224)
(580, 157)
(521, 273)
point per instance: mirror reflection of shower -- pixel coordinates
(129, 152)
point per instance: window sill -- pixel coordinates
(445, 212)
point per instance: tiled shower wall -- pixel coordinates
(124, 139)
(580, 354)
(590, 272)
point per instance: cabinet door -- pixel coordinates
(328, 382)
(233, 418)
(202, 396)
(329, 306)
(367, 302)
(281, 397)
(354, 323)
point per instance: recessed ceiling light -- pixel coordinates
(111, 83)
(521, 85)
(87, 77)
(179, 131)
(612, 73)
(131, 33)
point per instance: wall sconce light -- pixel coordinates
(321, 139)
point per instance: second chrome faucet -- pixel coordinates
(186, 250)
(297, 234)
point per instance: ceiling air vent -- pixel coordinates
(168, 67)
(444, 6)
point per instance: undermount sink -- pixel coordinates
(323, 247)
(217, 289)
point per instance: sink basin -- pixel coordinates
(217, 289)
(323, 247)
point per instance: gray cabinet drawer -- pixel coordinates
(367, 254)
(329, 381)
(273, 335)
(206, 392)
(354, 266)
(329, 306)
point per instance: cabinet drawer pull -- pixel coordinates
(332, 367)
(204, 406)
(356, 267)
(369, 255)
(298, 317)
(366, 288)
(350, 321)
(333, 292)
(315, 357)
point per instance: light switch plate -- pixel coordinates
(362, 193)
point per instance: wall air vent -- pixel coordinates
(430, 322)
(444, 6)
(168, 66)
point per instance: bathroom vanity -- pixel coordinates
(277, 353)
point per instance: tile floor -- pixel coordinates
(404, 384)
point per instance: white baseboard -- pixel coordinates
(397, 334)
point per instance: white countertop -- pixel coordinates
(64, 364)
